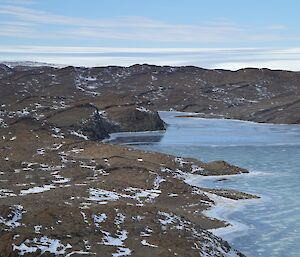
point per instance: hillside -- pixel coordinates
(260, 95)
(64, 192)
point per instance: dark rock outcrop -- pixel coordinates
(133, 120)
(217, 168)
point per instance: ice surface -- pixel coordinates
(269, 151)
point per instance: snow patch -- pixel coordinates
(157, 181)
(142, 109)
(43, 244)
(145, 243)
(12, 221)
(79, 134)
(102, 196)
(119, 219)
(36, 190)
(99, 219)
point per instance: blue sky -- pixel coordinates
(227, 34)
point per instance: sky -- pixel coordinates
(226, 34)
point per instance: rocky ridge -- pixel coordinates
(260, 95)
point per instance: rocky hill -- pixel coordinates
(260, 95)
(65, 193)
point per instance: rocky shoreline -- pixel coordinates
(64, 192)
(82, 197)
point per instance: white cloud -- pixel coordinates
(293, 65)
(15, 30)
(136, 28)
(221, 58)
(75, 49)
(276, 27)
(18, 2)
(24, 22)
